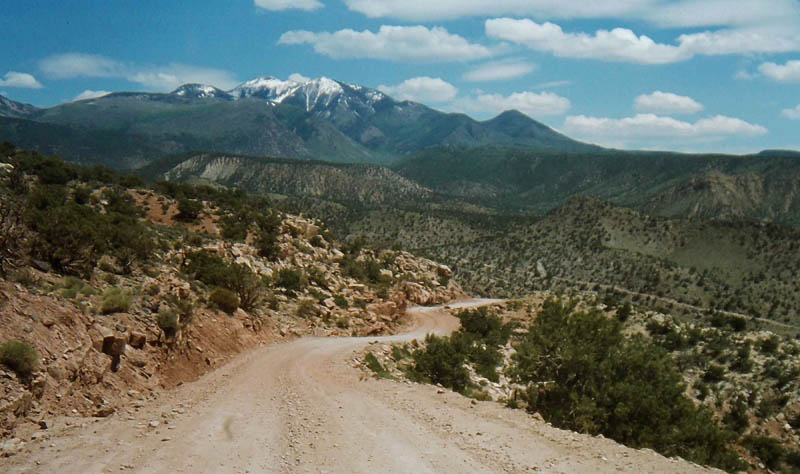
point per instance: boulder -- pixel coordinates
(387, 310)
(109, 342)
(137, 339)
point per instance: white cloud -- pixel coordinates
(393, 43)
(530, 103)
(164, 78)
(663, 13)
(277, 5)
(90, 94)
(20, 79)
(552, 84)
(425, 10)
(789, 72)
(619, 44)
(623, 45)
(499, 71)
(297, 77)
(739, 41)
(422, 89)
(171, 76)
(70, 65)
(658, 128)
(698, 13)
(793, 114)
(667, 103)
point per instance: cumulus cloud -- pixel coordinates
(164, 78)
(623, 45)
(667, 103)
(663, 13)
(793, 114)
(530, 103)
(499, 71)
(277, 5)
(90, 94)
(619, 44)
(789, 72)
(393, 43)
(20, 79)
(297, 77)
(739, 41)
(422, 89)
(423, 10)
(658, 128)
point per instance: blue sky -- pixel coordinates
(699, 75)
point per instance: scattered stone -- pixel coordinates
(104, 411)
(154, 424)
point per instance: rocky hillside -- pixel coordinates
(123, 291)
(738, 267)
(354, 185)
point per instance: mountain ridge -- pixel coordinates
(319, 118)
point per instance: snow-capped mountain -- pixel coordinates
(200, 91)
(321, 95)
(318, 118)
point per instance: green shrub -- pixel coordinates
(375, 366)
(714, 373)
(208, 268)
(343, 322)
(767, 449)
(234, 228)
(583, 374)
(189, 209)
(340, 301)
(290, 279)
(440, 362)
(24, 276)
(365, 271)
(116, 300)
(317, 276)
(317, 241)
(306, 309)
(769, 345)
(20, 357)
(235, 277)
(167, 320)
(224, 299)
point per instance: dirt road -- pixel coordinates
(302, 407)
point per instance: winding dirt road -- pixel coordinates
(301, 407)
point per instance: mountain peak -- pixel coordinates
(198, 91)
(511, 114)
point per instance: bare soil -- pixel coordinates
(304, 407)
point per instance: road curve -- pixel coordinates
(301, 407)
